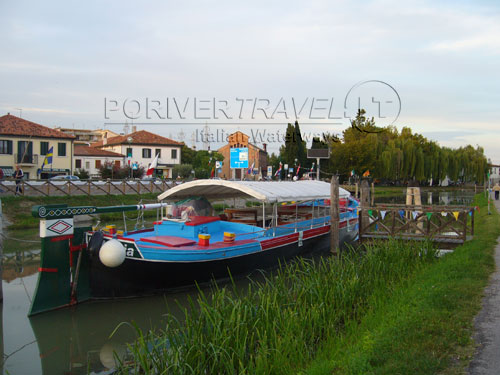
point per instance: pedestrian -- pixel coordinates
(18, 176)
(1, 178)
(496, 189)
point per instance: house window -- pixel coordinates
(78, 163)
(44, 148)
(146, 153)
(5, 147)
(87, 165)
(97, 164)
(174, 154)
(129, 152)
(158, 152)
(117, 163)
(61, 149)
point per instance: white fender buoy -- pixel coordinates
(108, 352)
(112, 253)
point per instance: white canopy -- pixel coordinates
(264, 191)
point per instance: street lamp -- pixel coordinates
(129, 140)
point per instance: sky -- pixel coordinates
(429, 65)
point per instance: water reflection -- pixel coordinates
(458, 198)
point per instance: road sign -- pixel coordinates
(218, 164)
(269, 170)
(135, 166)
(239, 157)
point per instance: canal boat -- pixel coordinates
(187, 244)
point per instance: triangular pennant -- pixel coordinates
(402, 213)
(414, 214)
(470, 213)
(444, 213)
(382, 214)
(456, 213)
(370, 212)
(429, 214)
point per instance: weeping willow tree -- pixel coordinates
(402, 156)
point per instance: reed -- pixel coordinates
(277, 325)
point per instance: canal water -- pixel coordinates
(77, 340)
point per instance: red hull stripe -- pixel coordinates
(44, 269)
(61, 238)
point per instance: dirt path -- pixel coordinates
(486, 360)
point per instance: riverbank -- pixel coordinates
(395, 310)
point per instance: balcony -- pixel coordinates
(25, 159)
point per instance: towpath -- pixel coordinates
(486, 360)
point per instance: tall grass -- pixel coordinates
(276, 326)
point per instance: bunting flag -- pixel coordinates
(470, 213)
(312, 168)
(353, 173)
(48, 157)
(298, 169)
(414, 214)
(382, 214)
(366, 174)
(402, 213)
(370, 212)
(279, 170)
(444, 213)
(456, 213)
(429, 214)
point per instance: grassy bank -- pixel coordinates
(425, 327)
(394, 310)
(18, 209)
(276, 327)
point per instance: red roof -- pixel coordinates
(12, 125)
(141, 137)
(81, 150)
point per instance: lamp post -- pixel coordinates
(129, 140)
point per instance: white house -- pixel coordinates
(494, 173)
(142, 146)
(91, 159)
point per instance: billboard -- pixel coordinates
(239, 157)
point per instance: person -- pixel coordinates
(496, 189)
(18, 176)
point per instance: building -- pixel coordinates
(494, 173)
(87, 136)
(256, 156)
(92, 158)
(26, 143)
(142, 146)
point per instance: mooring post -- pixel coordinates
(334, 215)
(365, 203)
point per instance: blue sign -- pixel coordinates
(239, 157)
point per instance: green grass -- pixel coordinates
(424, 327)
(276, 327)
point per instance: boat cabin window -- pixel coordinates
(196, 206)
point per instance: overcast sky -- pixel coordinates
(60, 61)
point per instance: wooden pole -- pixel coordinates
(365, 202)
(334, 215)
(357, 188)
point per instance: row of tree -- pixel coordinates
(385, 154)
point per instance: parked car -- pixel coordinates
(64, 177)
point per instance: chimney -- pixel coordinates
(134, 128)
(105, 141)
(264, 146)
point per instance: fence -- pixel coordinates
(445, 225)
(34, 188)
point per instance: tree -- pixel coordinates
(83, 174)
